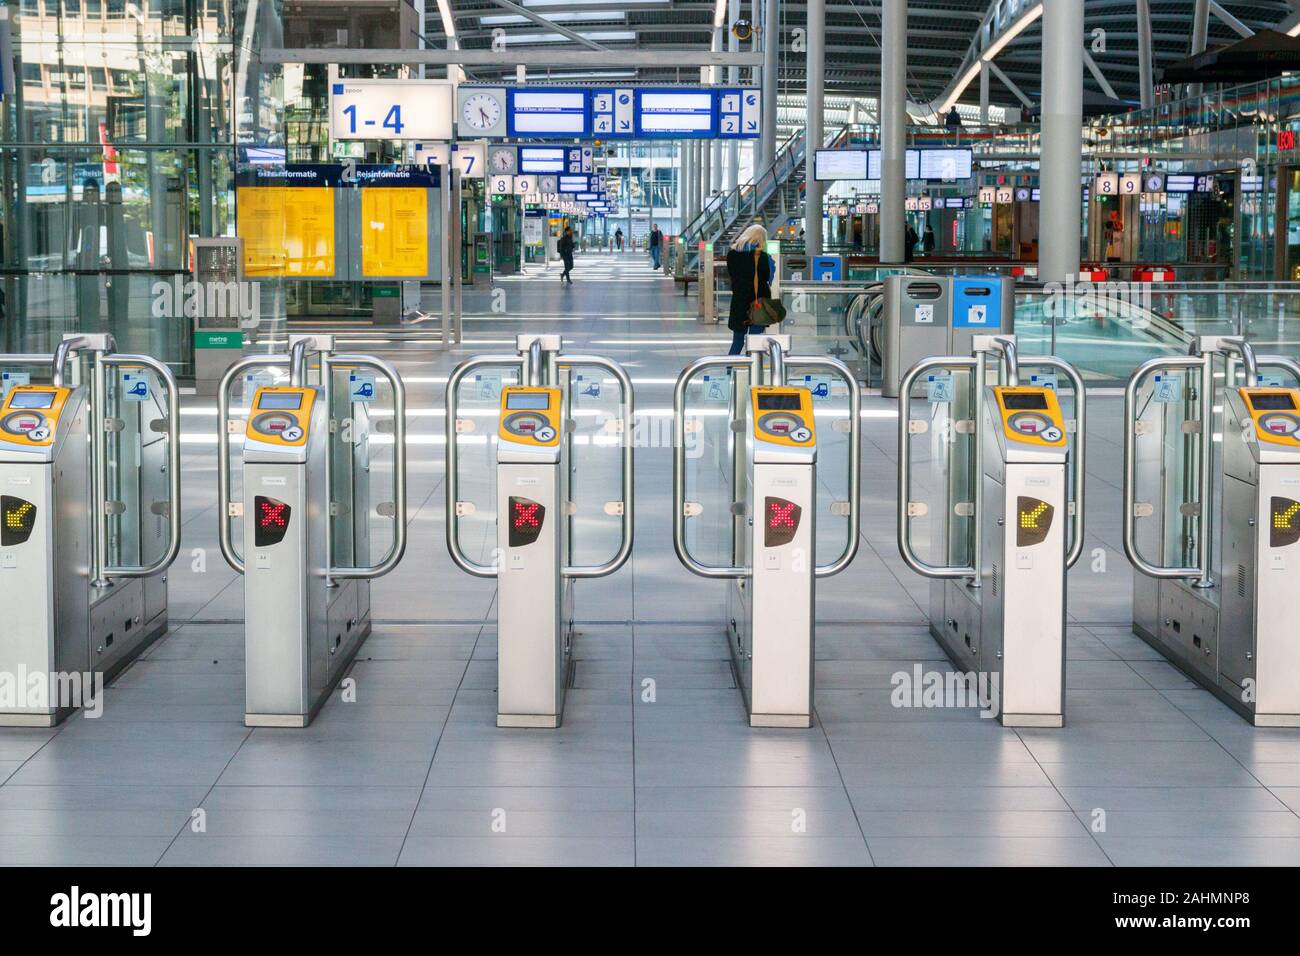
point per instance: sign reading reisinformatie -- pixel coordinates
(391, 109)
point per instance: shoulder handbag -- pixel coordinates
(764, 312)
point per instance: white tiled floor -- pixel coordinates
(1149, 769)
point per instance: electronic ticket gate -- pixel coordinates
(89, 518)
(940, 315)
(1007, 523)
(1212, 527)
(305, 517)
(542, 507)
(760, 533)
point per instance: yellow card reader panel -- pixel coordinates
(1031, 415)
(783, 416)
(30, 414)
(530, 416)
(1276, 412)
(281, 414)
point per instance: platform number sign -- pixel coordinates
(391, 109)
(470, 158)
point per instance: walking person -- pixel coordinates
(565, 248)
(618, 239)
(929, 240)
(656, 244)
(750, 269)
(909, 243)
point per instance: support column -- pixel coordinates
(1200, 35)
(1146, 85)
(984, 93)
(771, 53)
(1062, 140)
(683, 177)
(816, 83)
(733, 78)
(893, 130)
(696, 160)
(706, 172)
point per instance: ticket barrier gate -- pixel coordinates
(939, 315)
(1010, 485)
(771, 536)
(537, 515)
(89, 518)
(304, 513)
(1214, 547)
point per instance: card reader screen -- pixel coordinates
(31, 400)
(1019, 401)
(528, 401)
(280, 400)
(1278, 401)
(779, 402)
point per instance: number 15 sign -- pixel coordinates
(391, 109)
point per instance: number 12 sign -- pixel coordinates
(391, 109)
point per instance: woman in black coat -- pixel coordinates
(746, 257)
(565, 248)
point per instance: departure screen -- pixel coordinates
(1022, 401)
(17, 519)
(31, 400)
(779, 402)
(1276, 401)
(528, 401)
(280, 400)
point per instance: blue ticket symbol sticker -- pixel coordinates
(9, 379)
(938, 387)
(488, 387)
(1043, 380)
(819, 386)
(361, 387)
(1167, 388)
(588, 387)
(135, 388)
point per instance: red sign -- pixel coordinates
(1286, 140)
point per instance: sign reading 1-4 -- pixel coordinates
(391, 109)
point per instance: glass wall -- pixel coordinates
(116, 144)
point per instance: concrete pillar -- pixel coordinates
(984, 93)
(771, 53)
(893, 129)
(815, 124)
(733, 78)
(1146, 85)
(1062, 140)
(707, 150)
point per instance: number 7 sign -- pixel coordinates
(470, 158)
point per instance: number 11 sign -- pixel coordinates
(391, 109)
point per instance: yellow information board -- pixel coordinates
(394, 232)
(287, 230)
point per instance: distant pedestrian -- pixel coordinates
(909, 243)
(656, 245)
(928, 240)
(953, 119)
(618, 239)
(566, 254)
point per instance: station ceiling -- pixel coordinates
(939, 32)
